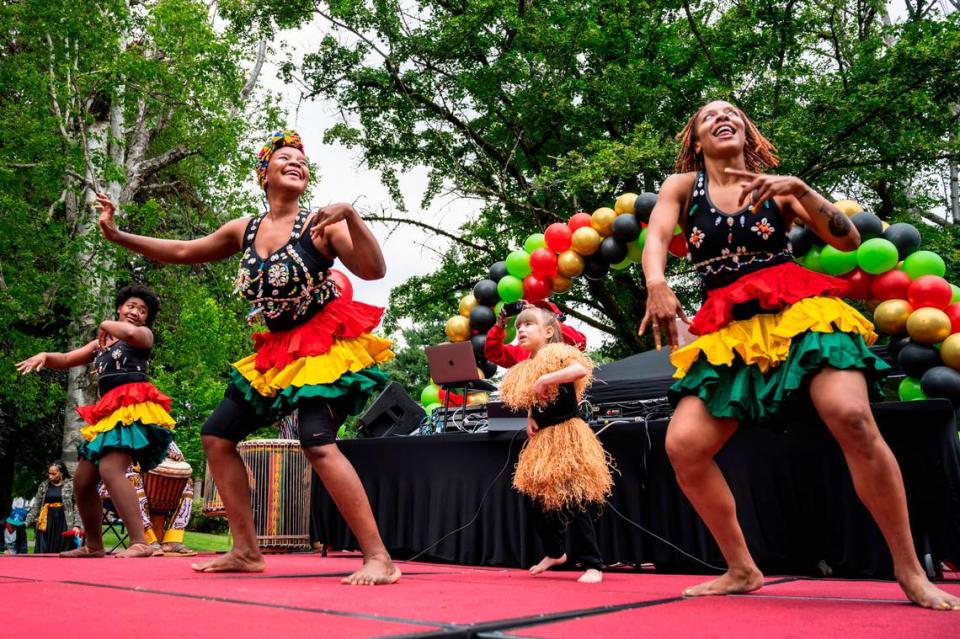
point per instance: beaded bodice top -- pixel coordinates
(120, 363)
(290, 285)
(725, 246)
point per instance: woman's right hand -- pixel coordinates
(532, 427)
(663, 308)
(32, 364)
(107, 224)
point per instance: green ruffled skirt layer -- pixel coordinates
(146, 444)
(742, 392)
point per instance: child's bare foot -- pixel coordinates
(923, 593)
(233, 561)
(591, 576)
(376, 571)
(83, 552)
(547, 563)
(136, 551)
(729, 583)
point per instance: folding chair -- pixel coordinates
(113, 523)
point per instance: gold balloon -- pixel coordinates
(602, 221)
(884, 224)
(586, 240)
(891, 316)
(569, 264)
(848, 207)
(561, 284)
(458, 328)
(467, 302)
(478, 399)
(950, 351)
(624, 203)
(928, 325)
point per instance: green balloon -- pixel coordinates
(877, 256)
(432, 407)
(677, 230)
(534, 242)
(510, 288)
(429, 395)
(812, 259)
(836, 262)
(635, 250)
(909, 390)
(622, 265)
(509, 334)
(642, 240)
(518, 265)
(956, 294)
(497, 308)
(924, 263)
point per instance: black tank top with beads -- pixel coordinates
(725, 246)
(290, 285)
(118, 364)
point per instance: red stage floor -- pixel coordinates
(301, 594)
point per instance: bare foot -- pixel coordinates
(591, 576)
(83, 552)
(729, 583)
(377, 571)
(923, 593)
(547, 563)
(233, 561)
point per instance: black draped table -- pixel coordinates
(795, 498)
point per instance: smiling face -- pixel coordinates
(134, 311)
(720, 130)
(288, 170)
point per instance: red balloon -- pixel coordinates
(342, 283)
(536, 288)
(558, 236)
(953, 312)
(860, 282)
(579, 220)
(678, 245)
(930, 290)
(543, 263)
(891, 285)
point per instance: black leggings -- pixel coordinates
(550, 527)
(235, 418)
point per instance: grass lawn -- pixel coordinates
(201, 542)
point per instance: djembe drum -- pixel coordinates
(279, 477)
(164, 486)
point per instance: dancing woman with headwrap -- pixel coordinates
(317, 354)
(769, 333)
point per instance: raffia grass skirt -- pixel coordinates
(564, 467)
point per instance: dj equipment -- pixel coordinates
(393, 413)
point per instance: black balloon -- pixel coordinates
(801, 239)
(643, 206)
(486, 292)
(613, 250)
(626, 228)
(498, 270)
(482, 318)
(897, 342)
(916, 359)
(488, 368)
(595, 267)
(868, 225)
(904, 236)
(478, 341)
(941, 381)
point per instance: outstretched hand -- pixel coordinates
(35, 363)
(108, 225)
(759, 187)
(663, 308)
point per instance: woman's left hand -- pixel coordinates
(540, 387)
(328, 215)
(760, 187)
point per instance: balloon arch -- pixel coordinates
(902, 284)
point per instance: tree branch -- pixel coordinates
(586, 319)
(703, 45)
(433, 229)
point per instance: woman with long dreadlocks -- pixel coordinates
(768, 333)
(317, 354)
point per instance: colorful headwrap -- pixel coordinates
(279, 139)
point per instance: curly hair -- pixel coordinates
(758, 152)
(144, 293)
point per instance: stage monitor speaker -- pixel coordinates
(394, 412)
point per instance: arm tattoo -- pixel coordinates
(839, 224)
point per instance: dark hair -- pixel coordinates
(758, 152)
(142, 292)
(61, 467)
